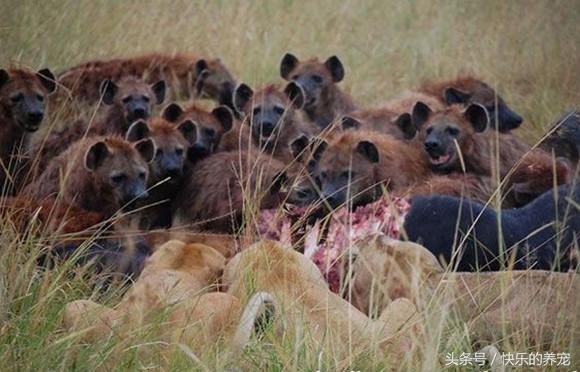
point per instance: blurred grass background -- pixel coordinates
(529, 50)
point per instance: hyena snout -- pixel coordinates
(510, 119)
(138, 109)
(199, 149)
(267, 128)
(433, 146)
(134, 195)
(35, 117)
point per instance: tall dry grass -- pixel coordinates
(529, 50)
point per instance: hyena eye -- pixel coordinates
(209, 132)
(179, 151)
(127, 99)
(142, 175)
(429, 131)
(311, 165)
(346, 174)
(146, 98)
(317, 79)
(323, 175)
(304, 193)
(40, 97)
(256, 111)
(159, 152)
(279, 110)
(295, 77)
(452, 131)
(118, 178)
(16, 97)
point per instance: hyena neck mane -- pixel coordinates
(333, 103)
(111, 122)
(89, 191)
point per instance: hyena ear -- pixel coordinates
(405, 124)
(146, 149)
(477, 115)
(298, 146)
(289, 62)
(159, 89)
(47, 79)
(242, 95)
(318, 149)
(189, 130)
(96, 155)
(453, 96)
(4, 77)
(295, 93)
(224, 116)
(172, 112)
(226, 94)
(279, 180)
(200, 66)
(368, 150)
(564, 171)
(137, 131)
(420, 114)
(335, 67)
(108, 91)
(200, 82)
(348, 123)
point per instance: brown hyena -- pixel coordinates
(52, 217)
(466, 90)
(356, 166)
(102, 174)
(224, 187)
(128, 100)
(23, 95)
(456, 140)
(564, 139)
(167, 168)
(273, 117)
(324, 100)
(304, 190)
(210, 126)
(383, 121)
(188, 76)
(394, 116)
